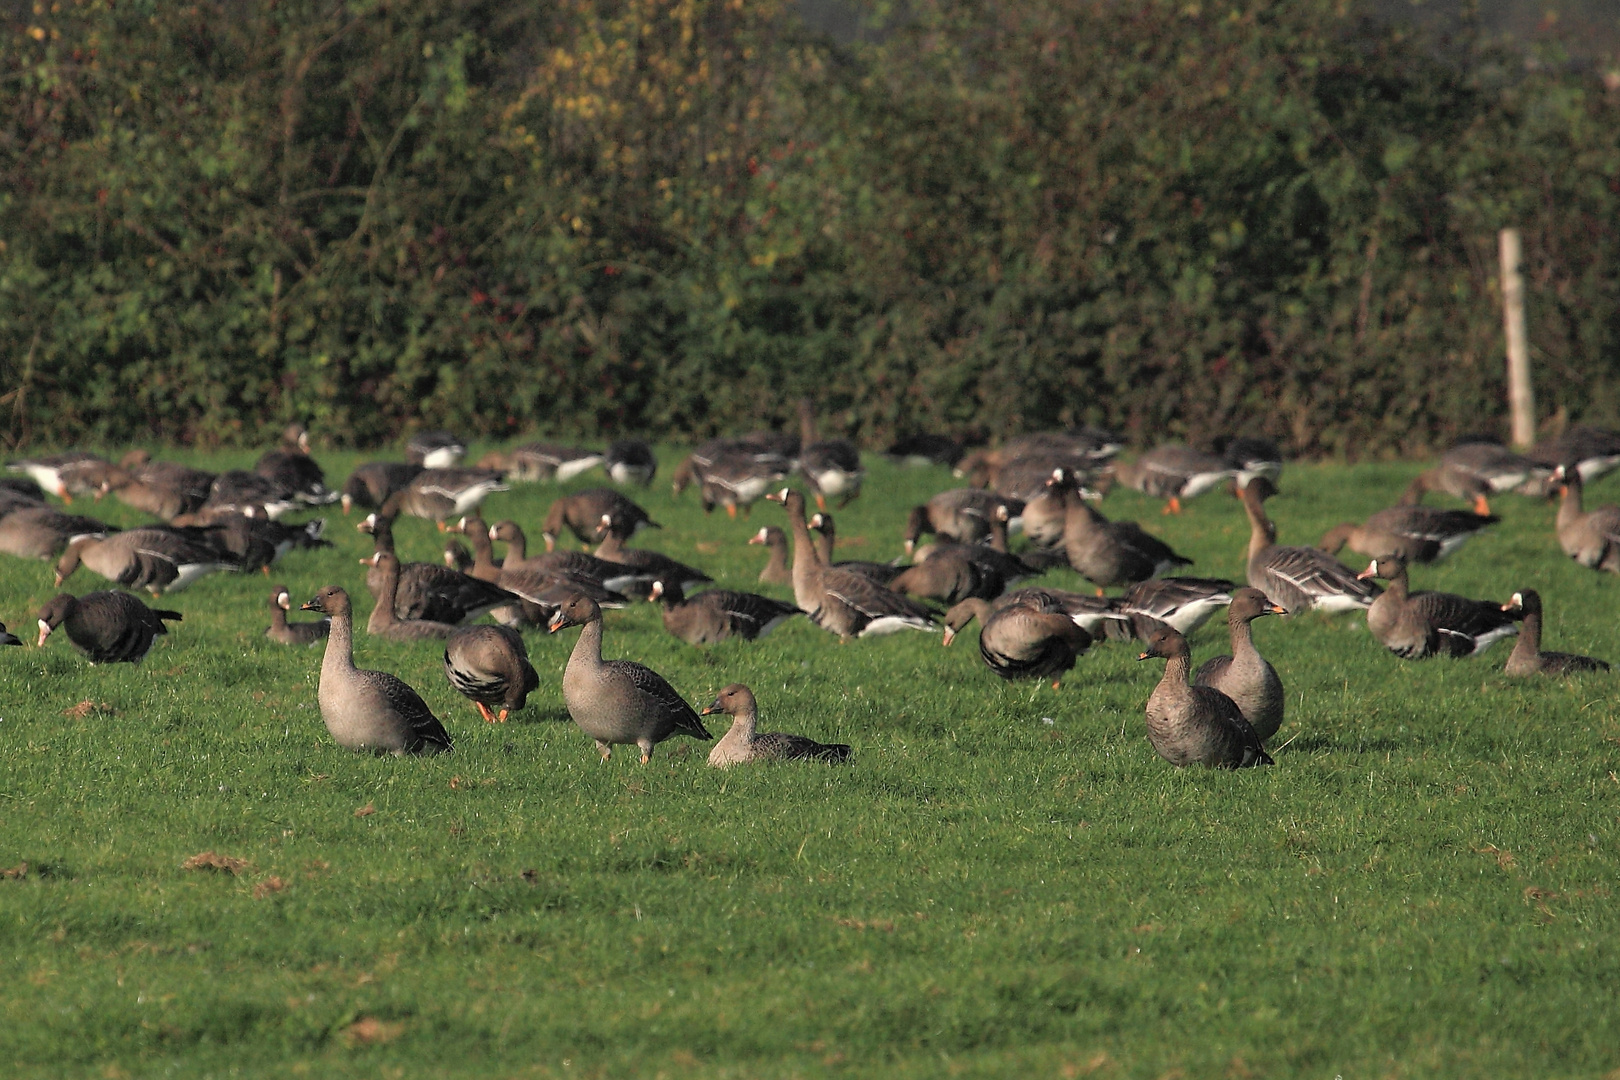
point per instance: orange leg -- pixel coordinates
(483, 710)
(731, 511)
(1101, 594)
(501, 719)
(441, 526)
(821, 503)
(1055, 684)
(67, 497)
(1481, 505)
(266, 569)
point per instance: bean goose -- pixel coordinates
(64, 475)
(542, 461)
(290, 466)
(1173, 472)
(588, 514)
(438, 494)
(1245, 676)
(1591, 538)
(1029, 640)
(618, 702)
(383, 621)
(489, 665)
(292, 633)
(107, 627)
(41, 532)
(1414, 534)
(156, 559)
(1418, 625)
(1250, 456)
(717, 614)
(1527, 657)
(832, 466)
(1594, 451)
(371, 484)
(435, 450)
(776, 570)
(961, 514)
(427, 590)
(742, 745)
(1196, 725)
(369, 711)
(1112, 552)
(630, 461)
(1297, 578)
(826, 531)
(837, 601)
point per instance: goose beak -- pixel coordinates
(1276, 609)
(1145, 656)
(711, 708)
(59, 579)
(551, 541)
(1370, 572)
(312, 605)
(558, 621)
(950, 636)
(44, 632)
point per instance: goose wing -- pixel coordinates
(427, 733)
(873, 600)
(653, 686)
(1305, 577)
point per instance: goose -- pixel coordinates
(609, 575)
(544, 585)
(1185, 603)
(948, 576)
(1245, 676)
(1026, 479)
(489, 665)
(8, 638)
(1418, 625)
(429, 591)
(1527, 657)
(249, 493)
(1112, 552)
(290, 466)
(1196, 725)
(1594, 451)
(13, 499)
(776, 570)
(718, 614)
(1029, 640)
(1297, 578)
(1044, 516)
(40, 532)
(107, 627)
(1414, 534)
(650, 565)
(618, 702)
(1591, 538)
(918, 451)
(542, 461)
(283, 632)
(590, 513)
(630, 461)
(439, 494)
(64, 475)
(1473, 472)
(371, 484)
(1093, 614)
(383, 621)
(163, 489)
(832, 466)
(1174, 472)
(742, 745)
(255, 543)
(961, 514)
(826, 531)
(732, 478)
(369, 711)
(153, 558)
(435, 450)
(1250, 456)
(1081, 449)
(837, 601)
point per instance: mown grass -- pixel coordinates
(1007, 882)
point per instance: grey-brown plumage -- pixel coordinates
(649, 566)
(949, 576)
(164, 489)
(827, 532)
(1245, 676)
(155, 558)
(630, 461)
(1112, 552)
(1250, 456)
(776, 571)
(1527, 657)
(1473, 472)
(250, 493)
(1173, 472)
(544, 588)
(42, 532)
(1297, 578)
(64, 475)
(830, 466)
(1413, 534)
(1032, 639)
(18, 493)
(384, 622)
(1591, 538)
(1196, 725)
(371, 484)
(439, 494)
(284, 632)
(542, 461)
(489, 665)
(1417, 625)
(717, 614)
(291, 466)
(743, 745)
(1185, 603)
(618, 702)
(730, 473)
(1593, 451)
(593, 513)
(960, 514)
(428, 590)
(435, 449)
(107, 627)
(369, 711)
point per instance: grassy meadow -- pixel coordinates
(1007, 882)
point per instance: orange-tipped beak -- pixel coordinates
(950, 636)
(558, 621)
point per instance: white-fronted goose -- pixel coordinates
(1591, 538)
(1196, 725)
(837, 601)
(107, 627)
(1185, 603)
(1031, 640)
(1093, 614)
(8, 638)
(544, 587)
(64, 475)
(290, 466)
(252, 543)
(1594, 451)
(156, 559)
(1250, 456)
(618, 702)
(489, 665)
(249, 493)
(583, 514)
(1297, 578)
(1045, 516)
(1079, 450)
(948, 575)
(650, 566)
(40, 532)
(430, 591)
(742, 745)
(717, 614)
(831, 466)
(371, 484)
(1245, 676)
(435, 450)
(1418, 625)
(776, 570)
(609, 575)
(1174, 472)
(383, 621)
(732, 478)
(1112, 552)
(960, 514)
(283, 632)
(1527, 657)
(439, 494)
(1413, 534)
(1473, 472)
(826, 531)
(630, 461)
(163, 489)
(1025, 479)
(542, 461)
(369, 711)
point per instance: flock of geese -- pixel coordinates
(961, 569)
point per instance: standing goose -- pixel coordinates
(438, 494)
(1250, 456)
(41, 532)
(1594, 451)
(290, 466)
(1029, 640)
(583, 514)
(1112, 552)
(650, 565)
(1045, 515)
(949, 576)
(1297, 578)
(489, 665)
(832, 466)
(1247, 677)
(1591, 538)
(1527, 657)
(542, 461)
(827, 532)
(427, 590)
(64, 475)
(776, 570)
(107, 627)
(742, 745)
(371, 484)
(1173, 472)
(383, 621)
(718, 614)
(435, 450)
(1418, 625)
(370, 711)
(290, 633)
(1414, 534)
(1472, 472)
(630, 461)
(1196, 725)
(156, 559)
(731, 478)
(618, 702)
(961, 514)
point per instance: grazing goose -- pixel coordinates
(1173, 472)
(742, 745)
(1418, 625)
(154, 558)
(961, 514)
(429, 591)
(776, 570)
(608, 575)
(1028, 640)
(1594, 451)
(542, 461)
(8, 638)
(837, 601)
(254, 543)
(1093, 614)
(731, 478)
(1025, 479)
(435, 450)
(718, 614)
(630, 461)
(107, 627)
(832, 466)
(370, 711)
(489, 665)
(438, 494)
(1185, 603)
(13, 499)
(1247, 677)
(1250, 456)
(163, 489)
(1112, 552)
(64, 475)
(1196, 725)
(826, 531)
(1297, 578)
(1591, 538)
(283, 632)
(1472, 472)
(1527, 657)
(383, 621)
(543, 588)
(1413, 534)
(950, 573)
(40, 532)
(650, 565)
(918, 451)
(249, 493)
(291, 467)
(371, 484)
(618, 702)
(591, 513)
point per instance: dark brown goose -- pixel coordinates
(630, 461)
(383, 621)
(831, 466)
(742, 745)
(489, 665)
(1045, 515)
(371, 484)
(290, 466)
(1245, 676)
(961, 514)
(1196, 725)
(1173, 472)
(107, 627)
(650, 566)
(19, 497)
(1527, 657)
(251, 494)
(1591, 538)
(430, 591)
(1413, 534)
(439, 494)
(41, 532)
(1112, 552)
(717, 614)
(949, 576)
(160, 488)
(1093, 614)
(1029, 640)
(583, 514)
(1418, 625)
(435, 449)
(1250, 456)
(369, 711)
(283, 632)
(1297, 578)
(156, 559)
(64, 475)
(827, 532)
(776, 570)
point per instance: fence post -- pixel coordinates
(1521, 397)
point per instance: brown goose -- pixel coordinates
(718, 614)
(249, 493)
(64, 475)
(587, 514)
(1185, 603)
(776, 570)
(438, 494)
(730, 476)
(1173, 472)
(630, 461)
(1594, 451)
(107, 627)
(837, 601)
(1112, 552)
(618, 702)
(1093, 614)
(160, 488)
(1417, 625)
(649, 566)
(1413, 534)
(1591, 538)
(156, 559)
(41, 532)
(435, 450)
(1473, 472)
(427, 590)
(1527, 657)
(961, 514)
(1047, 513)
(543, 587)
(742, 745)
(1196, 725)
(290, 633)
(831, 466)
(613, 576)
(1297, 578)
(1021, 640)
(383, 621)
(1247, 677)
(827, 533)
(489, 665)
(542, 461)
(19, 497)
(950, 576)
(371, 484)
(290, 466)
(364, 710)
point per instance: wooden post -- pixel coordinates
(1521, 397)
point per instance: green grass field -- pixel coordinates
(1008, 881)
